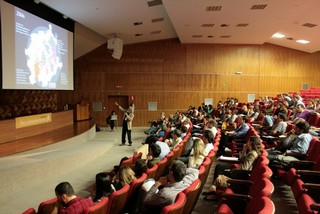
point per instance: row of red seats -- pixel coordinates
(250, 194)
(303, 177)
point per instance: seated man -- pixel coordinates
(153, 155)
(228, 136)
(296, 143)
(175, 140)
(165, 190)
(68, 201)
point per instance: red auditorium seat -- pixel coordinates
(204, 171)
(192, 194)
(133, 198)
(29, 211)
(98, 208)
(151, 172)
(307, 161)
(136, 157)
(240, 202)
(117, 200)
(306, 205)
(162, 168)
(261, 205)
(177, 207)
(47, 206)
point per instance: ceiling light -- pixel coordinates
(302, 41)
(278, 35)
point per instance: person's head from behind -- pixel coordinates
(177, 171)
(254, 143)
(64, 192)
(198, 147)
(184, 129)
(140, 167)
(208, 136)
(154, 150)
(282, 117)
(126, 175)
(103, 185)
(176, 133)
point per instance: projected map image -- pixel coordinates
(43, 58)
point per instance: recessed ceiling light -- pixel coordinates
(278, 35)
(302, 41)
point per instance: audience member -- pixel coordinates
(153, 155)
(102, 188)
(197, 154)
(295, 144)
(228, 136)
(69, 203)
(140, 167)
(125, 176)
(165, 190)
(175, 140)
(247, 157)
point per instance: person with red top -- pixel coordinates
(69, 202)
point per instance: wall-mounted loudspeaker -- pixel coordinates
(116, 45)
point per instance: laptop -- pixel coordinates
(114, 117)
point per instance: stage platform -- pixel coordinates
(46, 138)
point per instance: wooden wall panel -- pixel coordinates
(178, 75)
(7, 128)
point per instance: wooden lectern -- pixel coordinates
(82, 111)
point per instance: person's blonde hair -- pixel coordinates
(126, 175)
(198, 148)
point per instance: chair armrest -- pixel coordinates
(297, 155)
(308, 172)
(311, 186)
(302, 164)
(315, 207)
(240, 182)
(236, 196)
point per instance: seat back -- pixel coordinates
(47, 206)
(203, 173)
(176, 152)
(133, 199)
(261, 205)
(313, 150)
(177, 206)
(98, 208)
(162, 168)
(313, 119)
(117, 200)
(152, 172)
(29, 211)
(260, 188)
(170, 158)
(136, 157)
(192, 193)
(304, 203)
(127, 162)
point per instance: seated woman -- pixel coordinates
(197, 154)
(247, 157)
(102, 188)
(125, 176)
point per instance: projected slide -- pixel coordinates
(41, 52)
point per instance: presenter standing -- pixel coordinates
(126, 123)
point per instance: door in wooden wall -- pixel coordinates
(123, 101)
